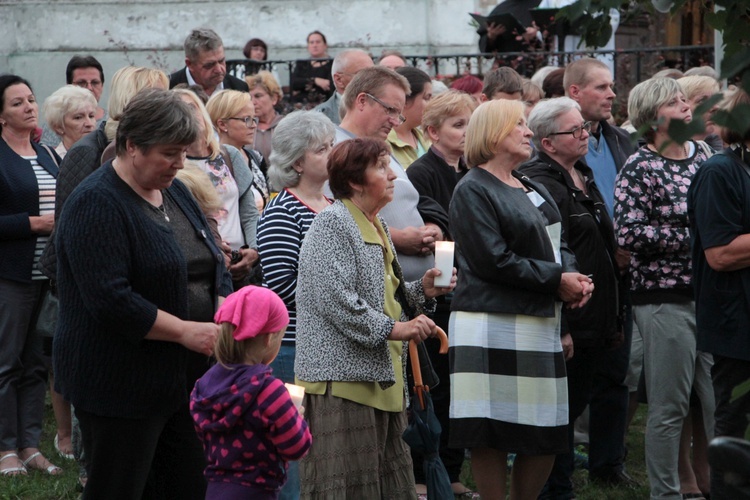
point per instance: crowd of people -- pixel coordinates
(201, 247)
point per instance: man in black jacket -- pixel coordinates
(589, 82)
(205, 64)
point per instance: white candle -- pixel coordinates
(297, 392)
(444, 262)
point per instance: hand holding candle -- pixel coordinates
(444, 262)
(297, 393)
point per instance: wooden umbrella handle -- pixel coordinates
(414, 359)
(414, 355)
(443, 340)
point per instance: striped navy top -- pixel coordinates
(281, 229)
(47, 184)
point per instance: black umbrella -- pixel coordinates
(423, 431)
(730, 458)
(517, 8)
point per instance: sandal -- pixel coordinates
(13, 471)
(47, 466)
(67, 456)
(465, 493)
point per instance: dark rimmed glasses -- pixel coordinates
(389, 110)
(577, 132)
(250, 121)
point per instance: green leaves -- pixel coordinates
(738, 120)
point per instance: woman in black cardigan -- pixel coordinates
(27, 203)
(435, 175)
(139, 281)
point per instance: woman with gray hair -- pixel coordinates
(71, 113)
(561, 140)
(301, 144)
(651, 221)
(133, 305)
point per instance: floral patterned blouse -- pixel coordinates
(651, 219)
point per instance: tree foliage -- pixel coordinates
(730, 17)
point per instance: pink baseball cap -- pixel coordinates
(253, 311)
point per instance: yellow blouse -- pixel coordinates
(404, 153)
(370, 393)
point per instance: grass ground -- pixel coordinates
(635, 465)
(40, 486)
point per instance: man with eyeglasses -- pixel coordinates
(374, 101)
(589, 82)
(86, 72)
(346, 65)
(205, 64)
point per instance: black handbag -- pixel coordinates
(46, 319)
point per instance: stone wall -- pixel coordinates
(41, 36)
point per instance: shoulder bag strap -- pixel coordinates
(227, 158)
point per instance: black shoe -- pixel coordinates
(614, 478)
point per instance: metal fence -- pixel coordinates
(631, 65)
(641, 62)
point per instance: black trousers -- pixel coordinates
(158, 457)
(731, 416)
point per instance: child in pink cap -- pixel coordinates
(244, 416)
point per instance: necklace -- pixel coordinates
(162, 209)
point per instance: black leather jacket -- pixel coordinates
(506, 263)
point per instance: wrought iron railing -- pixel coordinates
(643, 62)
(631, 65)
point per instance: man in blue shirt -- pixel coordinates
(589, 82)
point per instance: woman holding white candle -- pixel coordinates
(435, 175)
(508, 384)
(351, 331)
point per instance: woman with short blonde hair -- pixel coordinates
(232, 178)
(233, 114)
(515, 273)
(435, 176)
(266, 95)
(697, 90)
(129, 81)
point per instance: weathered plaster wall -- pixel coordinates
(40, 36)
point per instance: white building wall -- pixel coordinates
(39, 37)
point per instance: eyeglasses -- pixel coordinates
(250, 121)
(389, 110)
(86, 83)
(577, 132)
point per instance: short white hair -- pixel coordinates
(544, 116)
(64, 100)
(341, 61)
